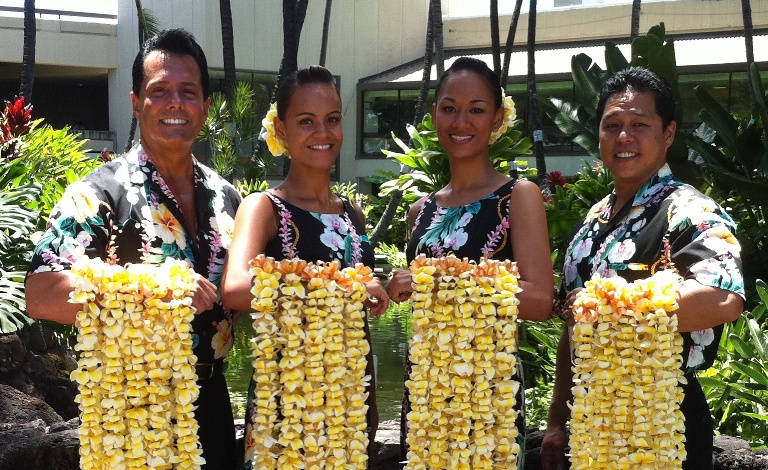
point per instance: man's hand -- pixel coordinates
(553, 449)
(400, 286)
(205, 295)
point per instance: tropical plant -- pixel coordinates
(17, 222)
(249, 186)
(229, 126)
(733, 153)
(428, 161)
(148, 25)
(737, 385)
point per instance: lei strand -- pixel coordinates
(463, 351)
(627, 370)
(309, 364)
(135, 374)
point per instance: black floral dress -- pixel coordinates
(312, 237)
(473, 231)
(668, 225)
(124, 212)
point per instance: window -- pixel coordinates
(385, 112)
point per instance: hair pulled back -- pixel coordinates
(305, 76)
(478, 67)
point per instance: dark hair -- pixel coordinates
(640, 80)
(306, 76)
(175, 41)
(476, 66)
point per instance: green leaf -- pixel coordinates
(750, 371)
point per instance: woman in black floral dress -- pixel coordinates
(302, 217)
(481, 212)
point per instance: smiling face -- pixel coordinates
(170, 107)
(312, 128)
(465, 115)
(633, 140)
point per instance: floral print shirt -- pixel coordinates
(668, 225)
(438, 231)
(124, 212)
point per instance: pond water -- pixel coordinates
(390, 335)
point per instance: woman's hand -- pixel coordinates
(378, 300)
(205, 295)
(565, 311)
(400, 286)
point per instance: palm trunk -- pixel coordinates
(326, 28)
(533, 103)
(634, 30)
(510, 42)
(746, 13)
(228, 48)
(437, 39)
(28, 55)
(134, 121)
(495, 42)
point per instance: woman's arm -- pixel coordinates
(255, 225)
(530, 245)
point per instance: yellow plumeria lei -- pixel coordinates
(509, 117)
(136, 374)
(309, 365)
(276, 145)
(463, 355)
(626, 407)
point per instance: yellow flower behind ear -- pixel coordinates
(509, 117)
(269, 135)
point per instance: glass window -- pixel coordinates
(716, 84)
(385, 112)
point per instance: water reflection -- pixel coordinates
(390, 340)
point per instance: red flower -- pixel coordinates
(554, 179)
(15, 122)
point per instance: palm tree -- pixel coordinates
(746, 13)
(148, 27)
(434, 29)
(533, 103)
(634, 30)
(495, 44)
(510, 41)
(326, 28)
(28, 56)
(228, 48)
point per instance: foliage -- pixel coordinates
(397, 232)
(579, 119)
(569, 202)
(733, 153)
(229, 126)
(429, 163)
(737, 385)
(37, 163)
(248, 186)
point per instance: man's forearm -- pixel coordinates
(47, 296)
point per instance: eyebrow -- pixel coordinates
(476, 100)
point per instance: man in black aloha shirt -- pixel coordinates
(650, 222)
(153, 203)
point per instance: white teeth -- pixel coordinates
(320, 147)
(625, 154)
(174, 121)
(461, 138)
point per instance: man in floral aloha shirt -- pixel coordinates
(153, 203)
(651, 221)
